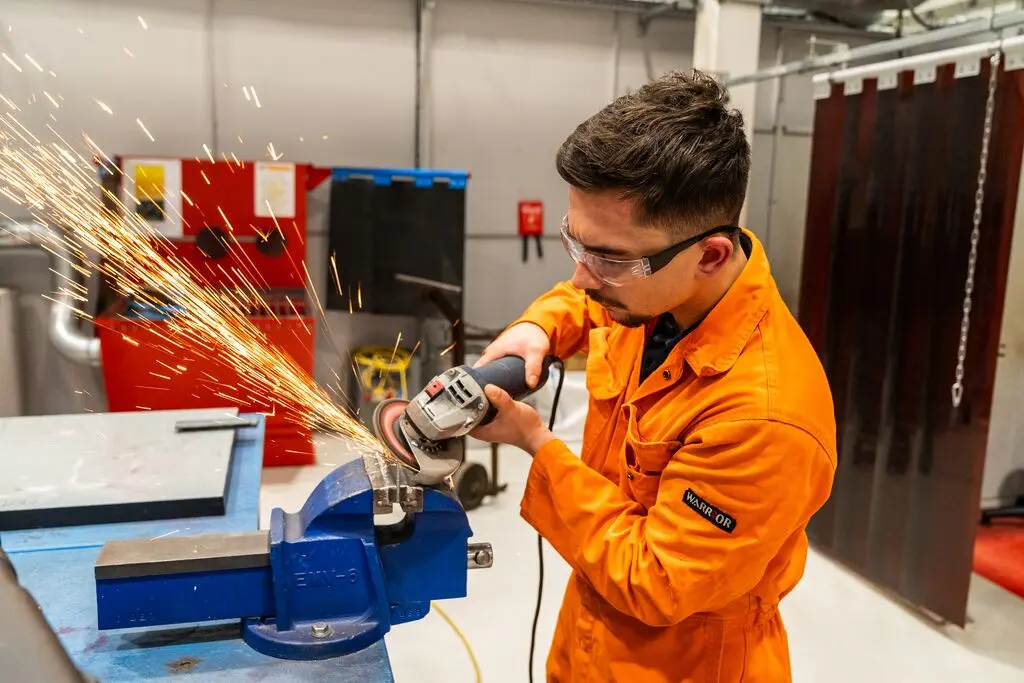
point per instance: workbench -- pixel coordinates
(57, 566)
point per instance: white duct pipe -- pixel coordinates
(64, 333)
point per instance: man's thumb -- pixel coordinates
(534, 362)
(498, 397)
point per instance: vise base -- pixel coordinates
(322, 582)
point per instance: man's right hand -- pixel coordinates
(526, 340)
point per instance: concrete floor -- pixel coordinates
(842, 630)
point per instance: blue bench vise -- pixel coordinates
(323, 582)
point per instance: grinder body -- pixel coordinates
(451, 406)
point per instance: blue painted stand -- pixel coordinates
(56, 566)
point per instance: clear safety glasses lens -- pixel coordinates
(611, 272)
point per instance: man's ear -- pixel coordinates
(717, 251)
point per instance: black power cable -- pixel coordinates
(540, 539)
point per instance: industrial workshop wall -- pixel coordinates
(334, 84)
(889, 230)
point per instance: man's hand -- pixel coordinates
(516, 424)
(526, 340)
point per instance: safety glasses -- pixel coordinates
(615, 272)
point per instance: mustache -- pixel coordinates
(601, 299)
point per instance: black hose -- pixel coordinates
(540, 540)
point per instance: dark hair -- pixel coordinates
(673, 146)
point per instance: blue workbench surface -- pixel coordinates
(56, 566)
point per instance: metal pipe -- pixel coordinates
(10, 368)
(64, 333)
(964, 52)
(884, 48)
(776, 133)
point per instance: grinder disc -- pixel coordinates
(385, 426)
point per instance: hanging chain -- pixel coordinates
(979, 199)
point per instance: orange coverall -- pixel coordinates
(684, 516)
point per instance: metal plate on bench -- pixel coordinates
(101, 468)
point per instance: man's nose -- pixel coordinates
(582, 278)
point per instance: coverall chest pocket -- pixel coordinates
(644, 460)
(604, 379)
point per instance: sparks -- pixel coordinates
(145, 130)
(206, 149)
(214, 326)
(143, 22)
(52, 101)
(256, 98)
(33, 62)
(11, 61)
(334, 271)
(53, 73)
(395, 351)
(245, 91)
(129, 53)
(447, 349)
(103, 106)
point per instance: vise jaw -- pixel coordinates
(324, 581)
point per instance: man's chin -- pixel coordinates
(627, 319)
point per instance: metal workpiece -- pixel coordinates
(210, 425)
(392, 485)
(322, 582)
(104, 468)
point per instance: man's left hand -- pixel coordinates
(516, 423)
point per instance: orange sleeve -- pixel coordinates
(670, 562)
(567, 315)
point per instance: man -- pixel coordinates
(710, 436)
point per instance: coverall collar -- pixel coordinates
(713, 347)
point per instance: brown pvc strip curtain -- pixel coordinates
(889, 216)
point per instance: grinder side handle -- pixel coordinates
(509, 373)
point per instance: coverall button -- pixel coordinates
(667, 374)
(629, 475)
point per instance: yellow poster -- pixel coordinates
(153, 188)
(149, 191)
(275, 190)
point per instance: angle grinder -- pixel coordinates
(422, 433)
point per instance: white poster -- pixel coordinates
(152, 188)
(275, 190)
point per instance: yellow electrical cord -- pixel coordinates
(465, 642)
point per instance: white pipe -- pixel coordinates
(64, 333)
(895, 66)
(885, 48)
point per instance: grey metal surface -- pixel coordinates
(183, 554)
(111, 467)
